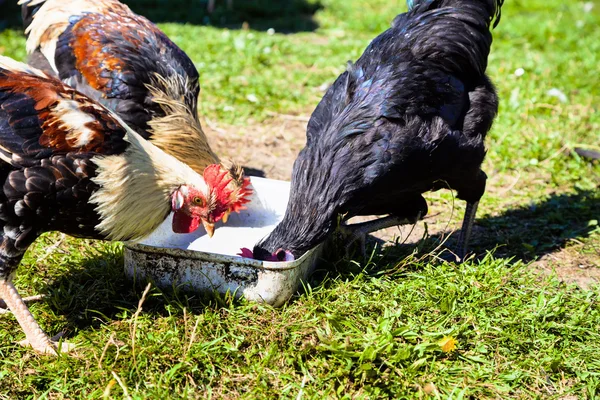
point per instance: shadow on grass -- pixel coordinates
(525, 233)
(284, 16)
(539, 228)
(97, 292)
(532, 231)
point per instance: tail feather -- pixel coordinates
(46, 20)
(453, 33)
(7, 63)
(494, 7)
(28, 9)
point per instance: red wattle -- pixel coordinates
(246, 253)
(183, 223)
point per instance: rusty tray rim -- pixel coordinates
(214, 257)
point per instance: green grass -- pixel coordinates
(361, 329)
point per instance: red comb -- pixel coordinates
(229, 199)
(243, 196)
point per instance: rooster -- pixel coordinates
(410, 116)
(68, 164)
(122, 60)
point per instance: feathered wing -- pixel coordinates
(111, 54)
(125, 62)
(48, 136)
(122, 60)
(41, 116)
(68, 158)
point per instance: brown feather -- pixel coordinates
(70, 121)
(179, 132)
(94, 64)
(52, 19)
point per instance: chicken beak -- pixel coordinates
(210, 228)
(226, 216)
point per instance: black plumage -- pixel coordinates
(409, 116)
(47, 176)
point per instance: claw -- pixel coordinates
(36, 337)
(359, 231)
(53, 347)
(462, 246)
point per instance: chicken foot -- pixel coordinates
(465, 231)
(359, 231)
(36, 337)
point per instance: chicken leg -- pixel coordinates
(36, 338)
(465, 231)
(359, 231)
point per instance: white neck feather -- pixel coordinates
(136, 187)
(12, 65)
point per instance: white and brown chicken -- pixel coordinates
(125, 62)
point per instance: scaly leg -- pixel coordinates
(360, 231)
(36, 338)
(465, 231)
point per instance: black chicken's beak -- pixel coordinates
(210, 228)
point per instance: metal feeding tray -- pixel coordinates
(198, 263)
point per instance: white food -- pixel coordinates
(263, 213)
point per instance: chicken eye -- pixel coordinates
(198, 201)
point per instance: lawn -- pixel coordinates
(520, 320)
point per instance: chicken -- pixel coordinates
(68, 164)
(122, 60)
(410, 116)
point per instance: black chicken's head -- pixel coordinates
(260, 253)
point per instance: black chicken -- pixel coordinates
(409, 116)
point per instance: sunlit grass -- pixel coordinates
(360, 330)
